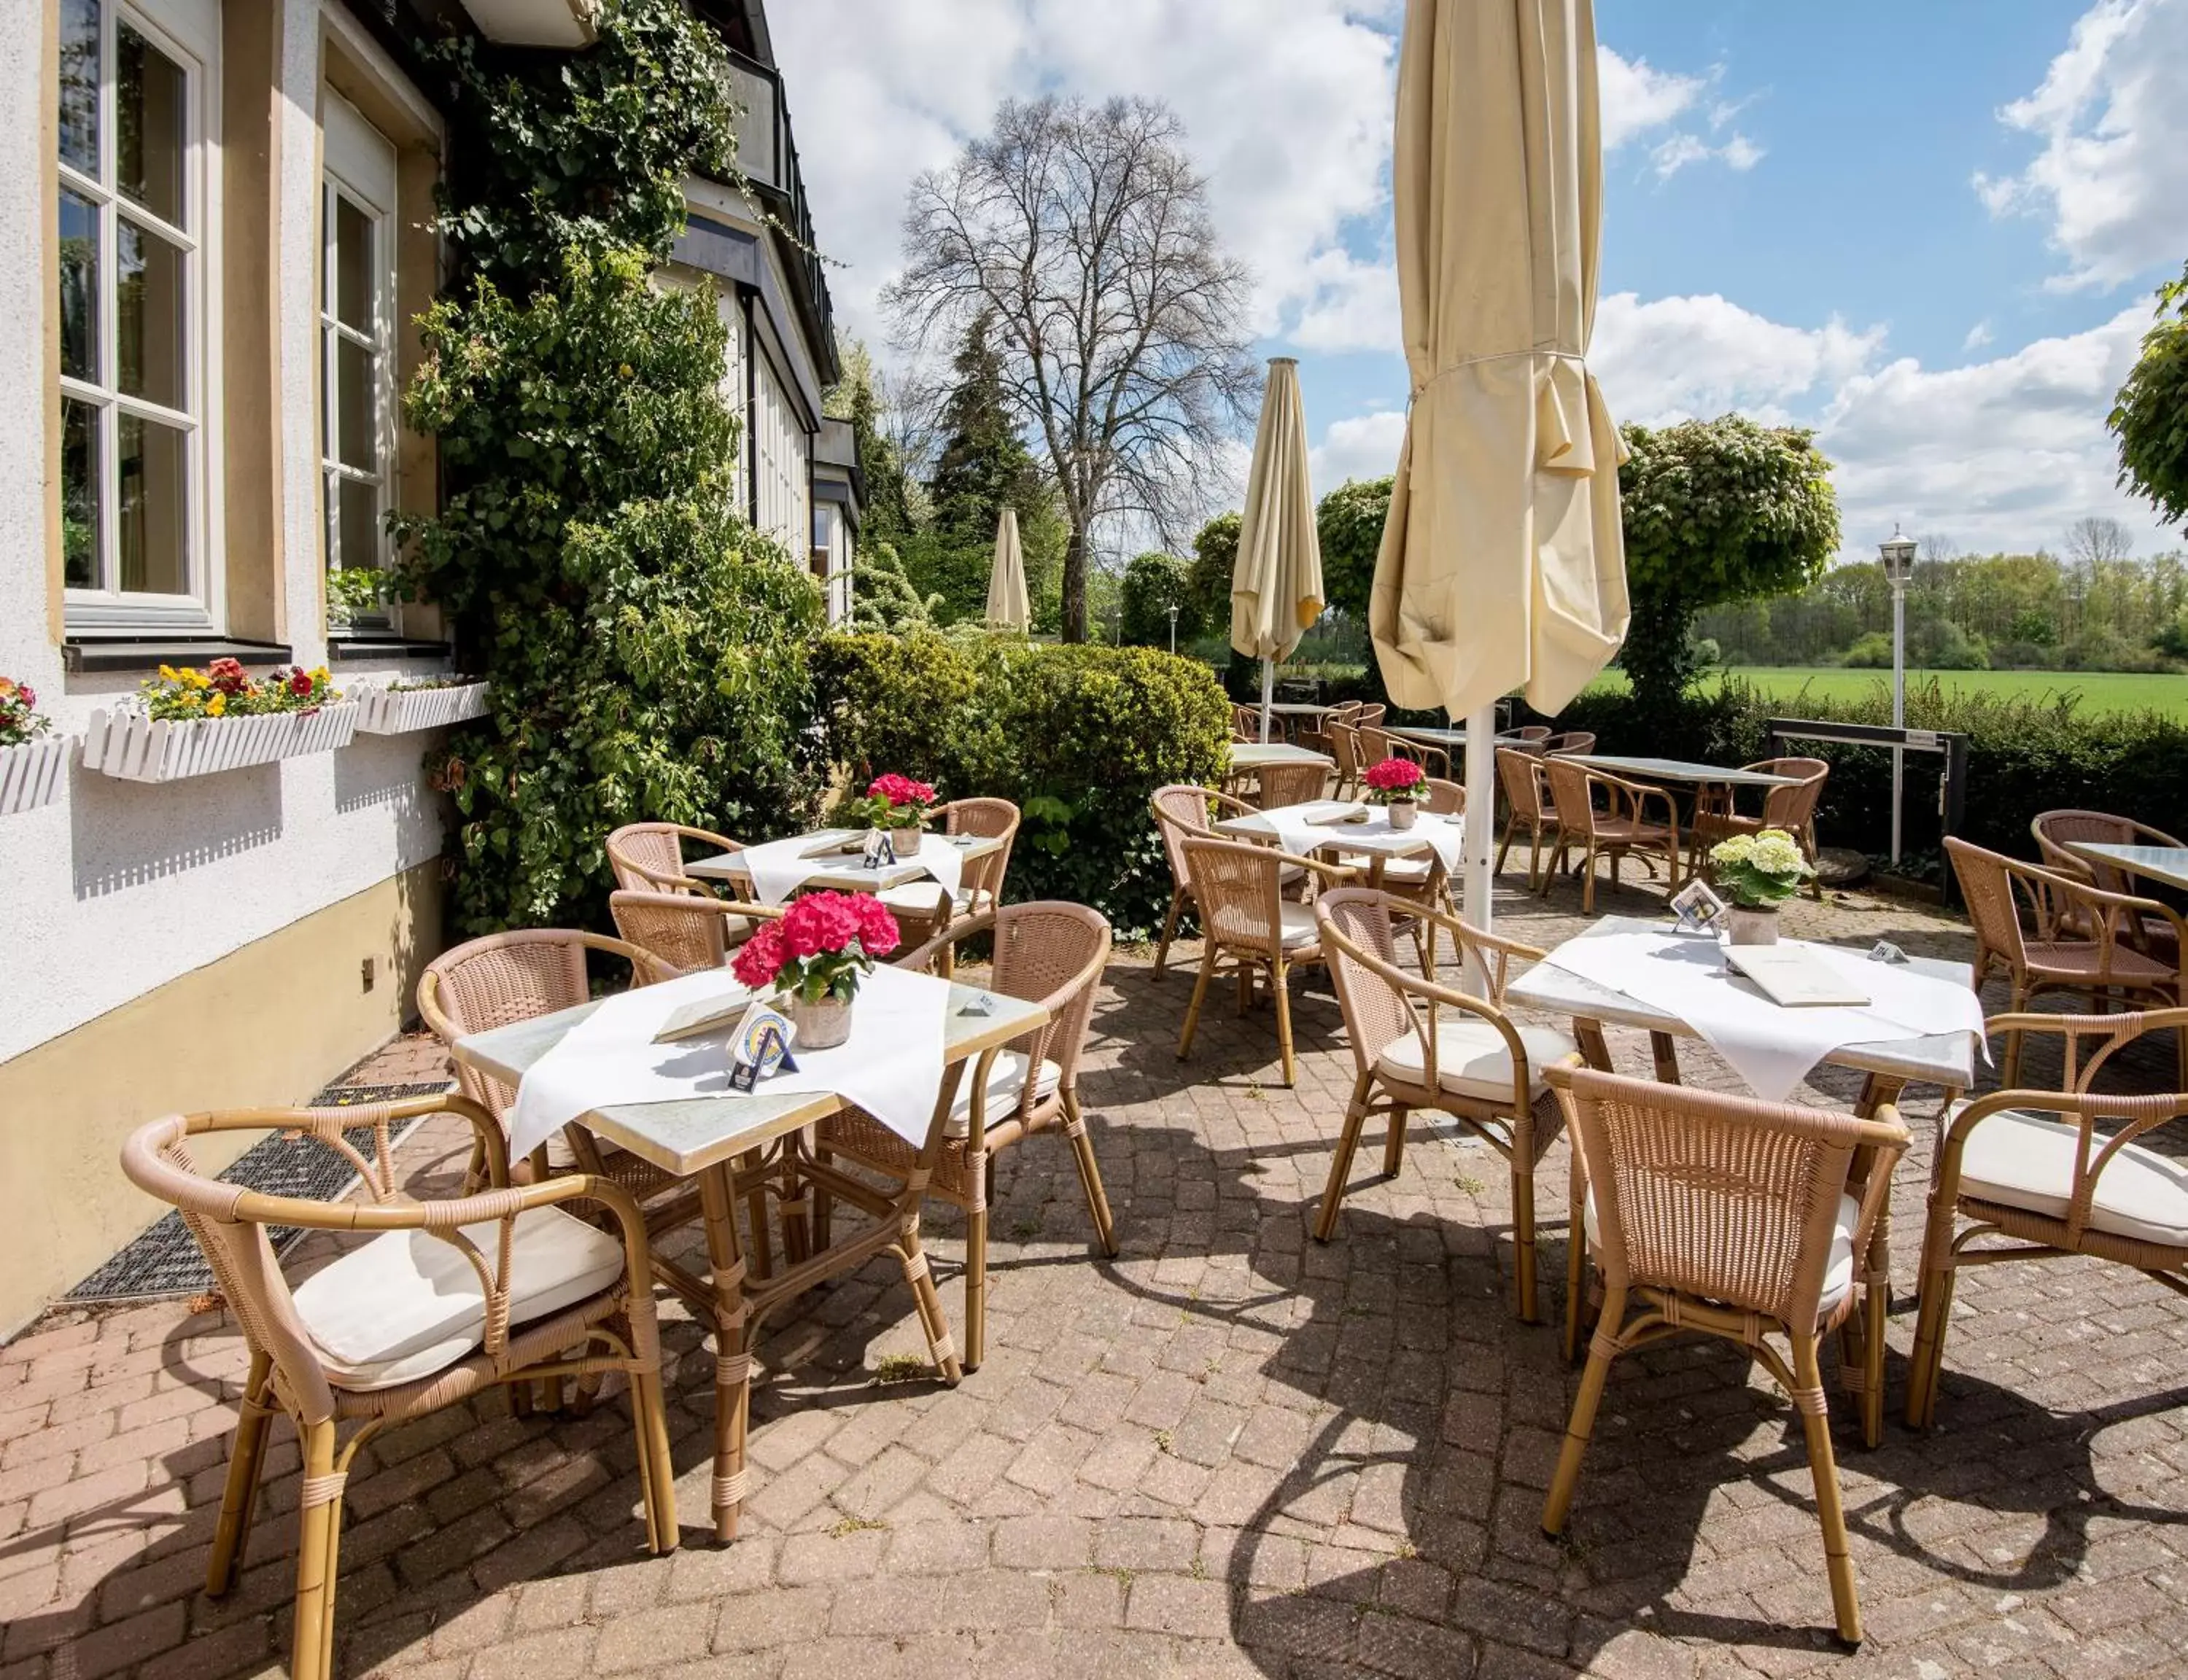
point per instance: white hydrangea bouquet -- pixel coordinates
(1760, 872)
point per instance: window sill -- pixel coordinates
(350, 650)
(82, 653)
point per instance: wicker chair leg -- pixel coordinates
(1209, 952)
(1504, 848)
(760, 1252)
(1925, 1366)
(1090, 1173)
(976, 1284)
(1169, 930)
(311, 1655)
(1393, 1140)
(1587, 882)
(824, 1204)
(1575, 1274)
(2010, 1075)
(1340, 1165)
(246, 1458)
(1280, 983)
(1523, 1229)
(650, 1418)
(928, 1302)
(1600, 1352)
(1816, 1423)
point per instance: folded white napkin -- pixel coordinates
(779, 868)
(1770, 1046)
(941, 858)
(891, 1067)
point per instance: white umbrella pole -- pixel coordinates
(1480, 813)
(1268, 686)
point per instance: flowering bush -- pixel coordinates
(225, 689)
(19, 720)
(1760, 869)
(819, 948)
(891, 801)
(1393, 779)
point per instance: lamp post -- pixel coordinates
(1899, 557)
(1173, 626)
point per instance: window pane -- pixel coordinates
(355, 369)
(79, 287)
(80, 85)
(79, 494)
(152, 323)
(358, 523)
(352, 277)
(155, 507)
(152, 129)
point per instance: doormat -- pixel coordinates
(166, 1260)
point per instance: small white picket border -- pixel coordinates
(401, 711)
(31, 773)
(136, 748)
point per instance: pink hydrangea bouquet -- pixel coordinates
(819, 949)
(1394, 782)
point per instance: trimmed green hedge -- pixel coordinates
(1078, 737)
(2024, 757)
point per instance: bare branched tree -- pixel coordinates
(2094, 541)
(1085, 230)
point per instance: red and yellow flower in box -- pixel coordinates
(21, 721)
(225, 690)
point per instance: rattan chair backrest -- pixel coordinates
(1051, 952)
(2055, 831)
(1181, 810)
(1519, 773)
(1575, 741)
(648, 857)
(1377, 1013)
(1238, 888)
(1444, 798)
(1291, 784)
(685, 931)
(1571, 793)
(1793, 809)
(1370, 715)
(1533, 734)
(515, 976)
(1723, 1197)
(1378, 744)
(1989, 888)
(991, 818)
(1345, 747)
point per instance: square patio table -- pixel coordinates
(2168, 864)
(703, 1138)
(1257, 755)
(1680, 770)
(1943, 1059)
(1298, 708)
(1375, 837)
(1451, 739)
(845, 873)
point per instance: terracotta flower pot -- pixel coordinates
(1402, 812)
(1752, 925)
(820, 1026)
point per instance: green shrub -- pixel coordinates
(1155, 583)
(1077, 738)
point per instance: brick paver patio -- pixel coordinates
(1230, 1451)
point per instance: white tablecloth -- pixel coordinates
(780, 868)
(1301, 829)
(891, 1067)
(1771, 1048)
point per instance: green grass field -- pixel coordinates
(2099, 691)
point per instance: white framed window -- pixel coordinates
(357, 334)
(137, 207)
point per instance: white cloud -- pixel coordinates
(1346, 304)
(2113, 177)
(1670, 156)
(1979, 335)
(2001, 453)
(1363, 446)
(1636, 97)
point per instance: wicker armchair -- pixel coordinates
(684, 931)
(1180, 812)
(2055, 831)
(1049, 953)
(1616, 829)
(443, 1300)
(1345, 747)
(1736, 1218)
(1291, 785)
(1370, 716)
(1533, 736)
(2033, 1167)
(648, 857)
(1250, 924)
(1443, 798)
(923, 909)
(1377, 744)
(1481, 1069)
(1716, 816)
(1528, 805)
(1573, 743)
(2080, 945)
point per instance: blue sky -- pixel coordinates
(1929, 228)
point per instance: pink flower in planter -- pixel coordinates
(1396, 778)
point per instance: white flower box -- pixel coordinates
(136, 748)
(401, 711)
(31, 774)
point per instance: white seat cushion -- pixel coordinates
(1299, 924)
(2026, 1161)
(407, 1304)
(923, 898)
(1473, 1059)
(1006, 1082)
(1838, 1271)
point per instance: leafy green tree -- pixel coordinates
(1714, 511)
(1214, 557)
(1350, 523)
(1155, 583)
(884, 598)
(887, 516)
(2151, 418)
(646, 651)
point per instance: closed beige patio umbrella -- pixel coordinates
(1007, 606)
(1275, 582)
(1502, 564)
